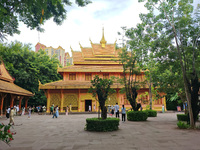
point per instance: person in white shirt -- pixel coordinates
(116, 107)
(123, 113)
(17, 109)
(89, 108)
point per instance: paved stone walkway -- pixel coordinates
(41, 132)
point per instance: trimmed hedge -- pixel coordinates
(95, 124)
(184, 117)
(151, 113)
(137, 115)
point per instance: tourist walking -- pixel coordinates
(51, 110)
(67, 109)
(123, 113)
(29, 112)
(12, 113)
(23, 110)
(163, 108)
(112, 110)
(8, 112)
(17, 110)
(89, 108)
(56, 113)
(116, 107)
(94, 107)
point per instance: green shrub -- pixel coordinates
(95, 124)
(137, 116)
(182, 125)
(151, 113)
(184, 117)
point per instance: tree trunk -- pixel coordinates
(187, 90)
(150, 95)
(104, 112)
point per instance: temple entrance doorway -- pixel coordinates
(87, 103)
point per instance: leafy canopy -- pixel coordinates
(28, 68)
(33, 13)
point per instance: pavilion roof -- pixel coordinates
(7, 83)
(71, 84)
(10, 87)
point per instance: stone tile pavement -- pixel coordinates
(42, 132)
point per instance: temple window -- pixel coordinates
(106, 76)
(88, 77)
(72, 76)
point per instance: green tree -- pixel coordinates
(100, 89)
(177, 30)
(28, 68)
(130, 72)
(32, 13)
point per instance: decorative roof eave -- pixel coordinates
(16, 93)
(89, 70)
(97, 63)
(6, 79)
(81, 49)
(114, 59)
(73, 87)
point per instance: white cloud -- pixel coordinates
(83, 23)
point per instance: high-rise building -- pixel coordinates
(59, 52)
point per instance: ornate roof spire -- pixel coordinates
(103, 41)
(71, 49)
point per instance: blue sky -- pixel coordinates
(84, 23)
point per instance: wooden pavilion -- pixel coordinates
(10, 93)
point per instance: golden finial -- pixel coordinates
(39, 82)
(80, 45)
(115, 41)
(103, 41)
(71, 49)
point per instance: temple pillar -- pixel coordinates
(79, 100)
(20, 101)
(2, 96)
(62, 99)
(12, 100)
(48, 100)
(26, 103)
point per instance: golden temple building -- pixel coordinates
(99, 59)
